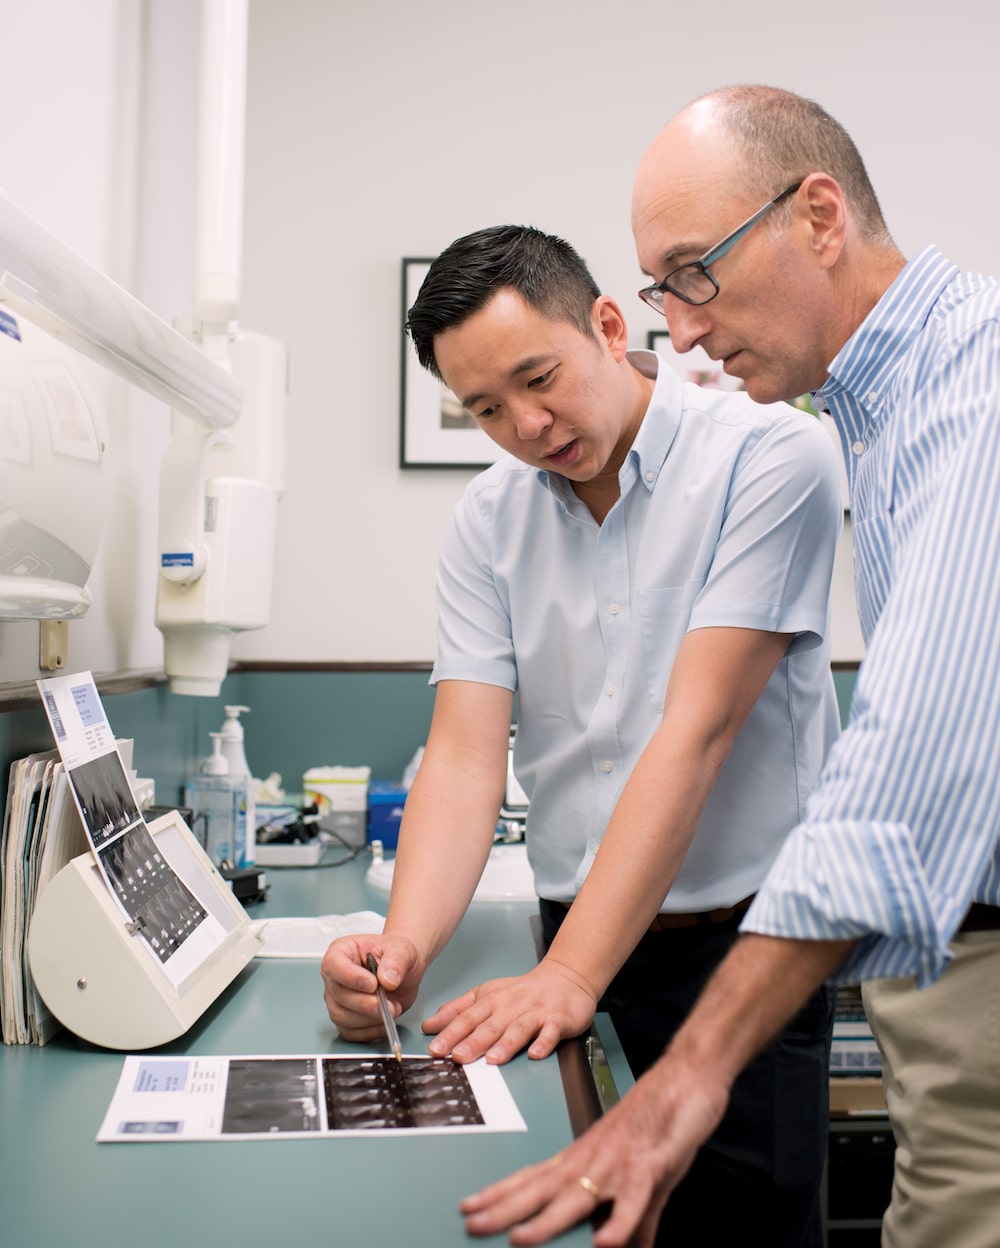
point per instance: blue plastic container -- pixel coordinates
(385, 811)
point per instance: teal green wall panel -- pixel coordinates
(844, 684)
(300, 720)
(297, 720)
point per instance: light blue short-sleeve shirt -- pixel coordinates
(728, 516)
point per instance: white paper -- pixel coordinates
(310, 938)
(304, 1097)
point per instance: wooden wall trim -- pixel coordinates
(23, 695)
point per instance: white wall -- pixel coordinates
(385, 128)
(388, 128)
(98, 146)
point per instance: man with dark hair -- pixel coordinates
(546, 272)
(893, 877)
(649, 569)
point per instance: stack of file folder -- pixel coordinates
(42, 831)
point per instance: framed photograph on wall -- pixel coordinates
(435, 431)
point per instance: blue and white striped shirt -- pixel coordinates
(901, 832)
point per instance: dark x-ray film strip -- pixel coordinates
(277, 1095)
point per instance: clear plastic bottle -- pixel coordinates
(218, 801)
(235, 755)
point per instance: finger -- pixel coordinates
(351, 1010)
(343, 965)
(355, 1023)
(396, 959)
(536, 1210)
(516, 1190)
(458, 1035)
(360, 1033)
(565, 1210)
(547, 1039)
(632, 1222)
(461, 1026)
(508, 1040)
(356, 1015)
(449, 1011)
(485, 1031)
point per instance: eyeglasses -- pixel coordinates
(692, 282)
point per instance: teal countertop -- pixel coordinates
(57, 1186)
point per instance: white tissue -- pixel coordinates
(310, 937)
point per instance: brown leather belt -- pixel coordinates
(699, 918)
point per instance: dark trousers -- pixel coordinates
(756, 1182)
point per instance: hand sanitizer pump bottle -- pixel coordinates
(235, 755)
(218, 799)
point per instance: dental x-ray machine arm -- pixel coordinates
(223, 471)
(219, 489)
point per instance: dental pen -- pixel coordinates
(383, 1004)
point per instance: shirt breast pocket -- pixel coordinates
(664, 614)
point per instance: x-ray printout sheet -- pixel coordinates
(161, 911)
(314, 1097)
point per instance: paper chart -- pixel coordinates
(304, 1097)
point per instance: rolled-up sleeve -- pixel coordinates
(901, 831)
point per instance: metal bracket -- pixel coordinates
(53, 644)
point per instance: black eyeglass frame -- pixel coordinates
(653, 295)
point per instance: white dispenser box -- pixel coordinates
(340, 794)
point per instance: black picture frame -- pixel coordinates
(434, 429)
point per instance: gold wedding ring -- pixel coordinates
(589, 1186)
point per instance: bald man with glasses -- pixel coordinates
(892, 879)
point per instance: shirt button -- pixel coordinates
(650, 476)
(858, 447)
(614, 608)
(611, 691)
(606, 767)
(872, 396)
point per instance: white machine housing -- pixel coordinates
(219, 494)
(100, 981)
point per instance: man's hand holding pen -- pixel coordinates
(352, 999)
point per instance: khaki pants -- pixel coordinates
(941, 1074)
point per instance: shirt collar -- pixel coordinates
(661, 422)
(656, 433)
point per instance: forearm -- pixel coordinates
(717, 677)
(450, 816)
(762, 983)
(640, 855)
(445, 839)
